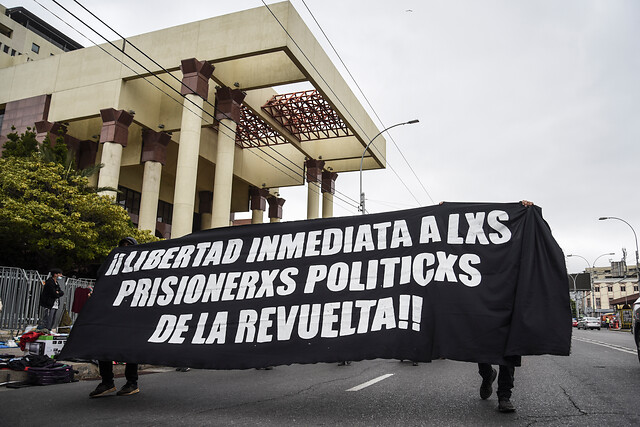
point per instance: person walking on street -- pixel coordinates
(505, 375)
(107, 385)
(49, 298)
(505, 383)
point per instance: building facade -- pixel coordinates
(25, 37)
(612, 286)
(188, 121)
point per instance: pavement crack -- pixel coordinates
(575, 405)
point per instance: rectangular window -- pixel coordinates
(13, 52)
(5, 31)
(35, 48)
(129, 200)
(635, 289)
(165, 212)
(597, 302)
(610, 288)
(5, 49)
(597, 289)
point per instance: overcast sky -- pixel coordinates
(536, 100)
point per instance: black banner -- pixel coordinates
(473, 282)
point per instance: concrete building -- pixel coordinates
(25, 37)
(611, 286)
(190, 121)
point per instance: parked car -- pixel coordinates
(589, 323)
(636, 325)
(574, 322)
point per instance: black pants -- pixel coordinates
(505, 378)
(106, 372)
(48, 318)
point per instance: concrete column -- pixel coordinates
(327, 205)
(154, 155)
(114, 136)
(275, 208)
(257, 216)
(328, 190)
(195, 88)
(228, 113)
(313, 200)
(149, 196)
(110, 172)
(223, 178)
(187, 166)
(314, 178)
(258, 204)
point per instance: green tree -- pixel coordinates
(50, 216)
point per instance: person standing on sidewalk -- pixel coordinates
(49, 298)
(107, 385)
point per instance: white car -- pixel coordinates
(589, 323)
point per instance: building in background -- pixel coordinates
(25, 37)
(614, 288)
(191, 122)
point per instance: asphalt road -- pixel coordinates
(599, 384)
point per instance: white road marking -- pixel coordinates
(371, 382)
(604, 344)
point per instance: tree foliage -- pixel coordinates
(49, 215)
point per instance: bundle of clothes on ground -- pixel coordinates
(41, 370)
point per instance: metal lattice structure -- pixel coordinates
(253, 132)
(306, 115)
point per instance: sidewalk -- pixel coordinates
(86, 370)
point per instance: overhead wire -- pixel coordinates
(125, 40)
(145, 68)
(367, 100)
(350, 203)
(337, 97)
(109, 53)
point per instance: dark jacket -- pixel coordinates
(50, 292)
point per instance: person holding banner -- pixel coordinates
(107, 385)
(505, 377)
(505, 383)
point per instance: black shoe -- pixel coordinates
(183, 369)
(485, 387)
(103, 390)
(128, 389)
(505, 405)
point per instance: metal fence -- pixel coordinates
(20, 294)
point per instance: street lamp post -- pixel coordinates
(410, 122)
(591, 266)
(634, 235)
(575, 295)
